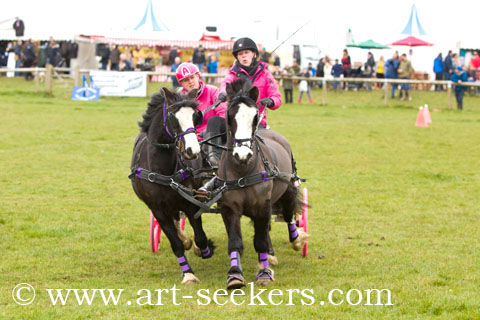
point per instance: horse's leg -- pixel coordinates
(289, 202)
(187, 242)
(168, 227)
(271, 253)
(235, 247)
(261, 224)
(203, 247)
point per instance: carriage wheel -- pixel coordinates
(182, 224)
(304, 219)
(155, 233)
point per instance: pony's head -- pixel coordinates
(176, 123)
(242, 118)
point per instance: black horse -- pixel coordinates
(258, 177)
(165, 154)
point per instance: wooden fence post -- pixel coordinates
(77, 77)
(49, 78)
(37, 80)
(385, 91)
(449, 93)
(324, 91)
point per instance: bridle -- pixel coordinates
(244, 142)
(172, 132)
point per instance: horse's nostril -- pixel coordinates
(189, 152)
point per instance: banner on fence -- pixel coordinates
(85, 93)
(120, 84)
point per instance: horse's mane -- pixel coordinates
(240, 87)
(239, 91)
(156, 103)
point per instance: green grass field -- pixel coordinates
(393, 207)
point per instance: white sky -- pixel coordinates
(445, 22)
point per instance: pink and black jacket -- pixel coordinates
(262, 79)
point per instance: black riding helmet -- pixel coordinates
(244, 44)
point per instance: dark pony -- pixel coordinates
(258, 176)
(164, 158)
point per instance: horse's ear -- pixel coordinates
(192, 95)
(230, 90)
(169, 96)
(253, 93)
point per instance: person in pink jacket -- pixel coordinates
(246, 66)
(213, 122)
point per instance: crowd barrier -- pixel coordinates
(49, 73)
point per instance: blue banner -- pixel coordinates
(85, 93)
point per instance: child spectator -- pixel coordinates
(304, 86)
(212, 67)
(459, 76)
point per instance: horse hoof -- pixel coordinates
(235, 281)
(299, 242)
(272, 260)
(264, 277)
(187, 244)
(189, 278)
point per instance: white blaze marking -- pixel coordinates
(185, 120)
(244, 119)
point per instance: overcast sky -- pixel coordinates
(266, 21)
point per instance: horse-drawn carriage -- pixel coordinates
(256, 177)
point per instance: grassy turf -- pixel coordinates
(393, 206)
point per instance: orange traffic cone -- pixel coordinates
(428, 118)
(421, 118)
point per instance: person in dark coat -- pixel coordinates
(28, 57)
(391, 71)
(448, 66)
(115, 58)
(320, 73)
(105, 57)
(198, 57)
(172, 55)
(53, 52)
(19, 27)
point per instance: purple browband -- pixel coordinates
(180, 136)
(139, 170)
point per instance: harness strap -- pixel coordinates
(207, 142)
(172, 182)
(179, 176)
(206, 206)
(162, 145)
(248, 181)
(213, 106)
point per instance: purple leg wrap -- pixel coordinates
(182, 261)
(206, 252)
(234, 259)
(292, 228)
(263, 259)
